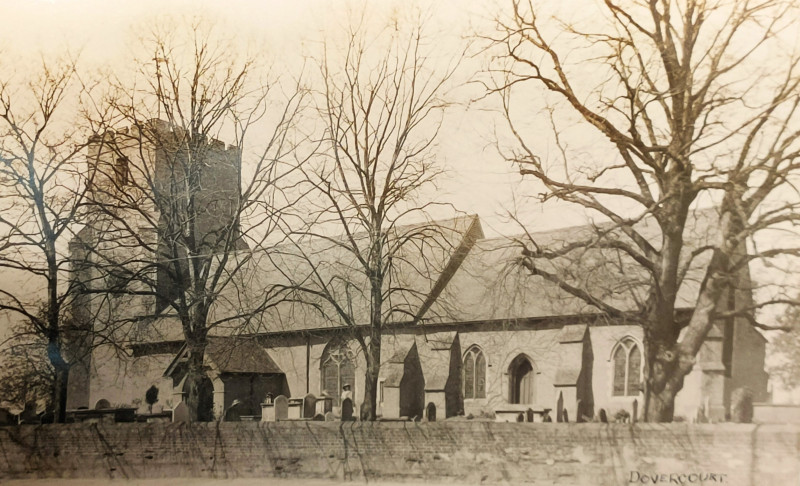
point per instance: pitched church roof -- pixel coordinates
(490, 285)
(231, 355)
(457, 277)
(421, 270)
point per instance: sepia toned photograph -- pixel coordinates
(453, 242)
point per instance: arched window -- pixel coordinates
(337, 369)
(474, 373)
(627, 368)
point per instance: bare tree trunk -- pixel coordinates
(61, 368)
(194, 380)
(659, 395)
(369, 407)
(60, 394)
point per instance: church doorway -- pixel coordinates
(430, 412)
(521, 376)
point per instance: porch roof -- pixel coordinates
(231, 355)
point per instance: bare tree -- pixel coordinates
(680, 94)
(787, 347)
(381, 111)
(28, 375)
(40, 202)
(178, 214)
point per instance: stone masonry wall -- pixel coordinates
(460, 451)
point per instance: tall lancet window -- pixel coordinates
(474, 373)
(627, 360)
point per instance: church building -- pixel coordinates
(486, 340)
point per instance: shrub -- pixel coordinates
(151, 397)
(622, 416)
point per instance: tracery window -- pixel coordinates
(337, 369)
(474, 373)
(627, 360)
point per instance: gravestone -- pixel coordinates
(28, 415)
(295, 408)
(742, 405)
(309, 406)
(347, 409)
(181, 413)
(234, 413)
(102, 404)
(602, 415)
(700, 415)
(268, 412)
(329, 417)
(281, 408)
(324, 405)
(565, 415)
(635, 414)
(560, 408)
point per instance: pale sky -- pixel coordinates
(479, 182)
(105, 33)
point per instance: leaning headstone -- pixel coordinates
(309, 406)
(181, 413)
(347, 409)
(281, 408)
(565, 415)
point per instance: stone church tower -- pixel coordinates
(158, 194)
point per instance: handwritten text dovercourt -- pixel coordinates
(676, 478)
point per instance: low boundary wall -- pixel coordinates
(458, 451)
